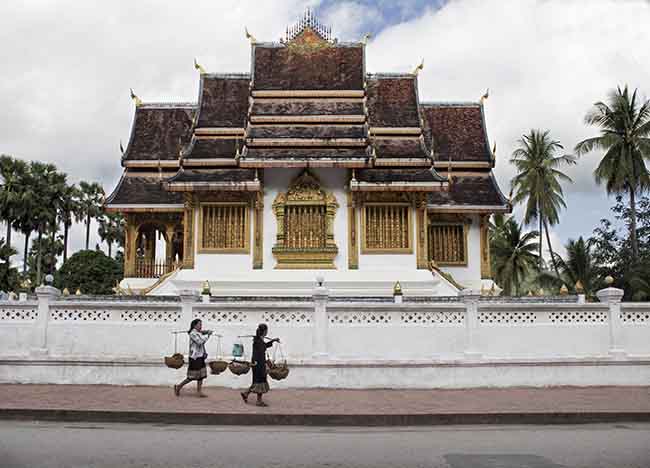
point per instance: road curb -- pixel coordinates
(363, 420)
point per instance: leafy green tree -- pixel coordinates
(8, 274)
(91, 271)
(624, 124)
(111, 230)
(513, 254)
(537, 183)
(13, 173)
(69, 210)
(92, 197)
(579, 265)
(47, 251)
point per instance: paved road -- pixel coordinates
(54, 445)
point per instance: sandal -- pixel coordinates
(244, 397)
(177, 391)
(202, 395)
(261, 403)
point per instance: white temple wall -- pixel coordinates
(470, 276)
(368, 344)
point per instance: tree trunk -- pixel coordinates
(40, 256)
(8, 233)
(26, 252)
(550, 248)
(65, 242)
(110, 245)
(633, 239)
(87, 231)
(541, 260)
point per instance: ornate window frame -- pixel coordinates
(305, 190)
(219, 250)
(451, 220)
(390, 250)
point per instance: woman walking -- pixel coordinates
(260, 385)
(196, 368)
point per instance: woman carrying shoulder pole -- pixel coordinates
(196, 369)
(260, 385)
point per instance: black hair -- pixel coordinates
(261, 328)
(193, 324)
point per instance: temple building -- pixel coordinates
(307, 166)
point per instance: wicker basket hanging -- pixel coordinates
(278, 368)
(175, 361)
(239, 367)
(219, 365)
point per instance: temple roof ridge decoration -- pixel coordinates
(311, 22)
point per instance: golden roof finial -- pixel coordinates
(494, 150)
(78, 293)
(135, 98)
(485, 96)
(121, 147)
(417, 69)
(197, 66)
(365, 38)
(249, 36)
(397, 289)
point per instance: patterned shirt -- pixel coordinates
(197, 343)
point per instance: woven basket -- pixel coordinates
(279, 371)
(175, 361)
(239, 367)
(217, 367)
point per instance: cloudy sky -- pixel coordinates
(67, 67)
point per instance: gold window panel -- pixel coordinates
(386, 228)
(224, 228)
(448, 243)
(305, 215)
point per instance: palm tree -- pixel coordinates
(111, 229)
(580, 265)
(69, 210)
(13, 173)
(537, 183)
(625, 138)
(92, 197)
(513, 254)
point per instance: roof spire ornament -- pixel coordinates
(366, 37)
(417, 69)
(136, 99)
(494, 150)
(249, 36)
(485, 96)
(198, 67)
(121, 147)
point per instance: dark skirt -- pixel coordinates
(196, 369)
(260, 384)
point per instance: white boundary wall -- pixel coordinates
(336, 343)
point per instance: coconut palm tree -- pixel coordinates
(13, 172)
(513, 255)
(69, 210)
(92, 197)
(624, 124)
(580, 265)
(537, 183)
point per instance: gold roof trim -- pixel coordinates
(308, 93)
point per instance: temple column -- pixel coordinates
(188, 232)
(130, 246)
(169, 245)
(258, 231)
(421, 230)
(353, 248)
(486, 269)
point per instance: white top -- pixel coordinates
(197, 343)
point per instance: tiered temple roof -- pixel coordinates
(308, 102)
